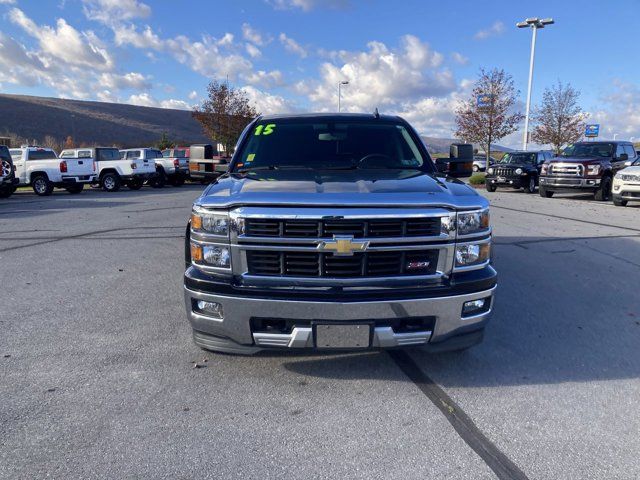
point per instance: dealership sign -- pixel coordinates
(592, 130)
(484, 100)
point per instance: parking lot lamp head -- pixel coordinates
(534, 23)
(343, 82)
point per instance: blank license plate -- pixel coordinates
(343, 336)
(501, 179)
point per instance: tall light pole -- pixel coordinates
(344, 82)
(533, 23)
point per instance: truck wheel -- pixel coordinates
(110, 182)
(135, 184)
(178, 181)
(475, 168)
(619, 203)
(490, 187)
(41, 185)
(545, 193)
(603, 194)
(531, 187)
(74, 189)
(158, 180)
(6, 192)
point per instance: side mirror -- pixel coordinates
(623, 157)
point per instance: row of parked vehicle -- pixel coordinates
(606, 169)
(43, 169)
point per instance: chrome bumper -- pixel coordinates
(569, 182)
(238, 311)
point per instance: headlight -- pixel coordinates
(473, 222)
(545, 167)
(518, 171)
(214, 223)
(472, 254)
(211, 255)
(593, 169)
(490, 171)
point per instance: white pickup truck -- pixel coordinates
(42, 169)
(113, 171)
(166, 169)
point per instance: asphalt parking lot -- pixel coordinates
(97, 377)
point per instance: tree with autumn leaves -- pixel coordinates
(224, 114)
(493, 120)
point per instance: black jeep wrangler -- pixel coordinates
(517, 170)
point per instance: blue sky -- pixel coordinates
(415, 58)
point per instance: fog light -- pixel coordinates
(211, 309)
(616, 188)
(474, 306)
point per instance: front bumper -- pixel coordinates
(515, 182)
(625, 191)
(138, 176)
(570, 183)
(10, 181)
(233, 333)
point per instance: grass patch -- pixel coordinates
(477, 178)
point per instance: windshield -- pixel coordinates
(330, 145)
(518, 158)
(108, 154)
(589, 150)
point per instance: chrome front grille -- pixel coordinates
(318, 264)
(327, 228)
(630, 178)
(567, 169)
(504, 172)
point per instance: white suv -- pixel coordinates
(626, 185)
(113, 171)
(43, 170)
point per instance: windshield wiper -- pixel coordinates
(274, 167)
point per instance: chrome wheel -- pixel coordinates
(6, 168)
(40, 185)
(109, 182)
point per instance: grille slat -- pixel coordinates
(293, 228)
(316, 264)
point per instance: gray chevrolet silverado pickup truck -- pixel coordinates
(333, 232)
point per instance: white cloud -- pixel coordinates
(254, 36)
(128, 35)
(265, 79)
(307, 5)
(111, 12)
(267, 103)
(132, 80)
(493, 31)
(459, 58)
(292, 46)
(619, 112)
(65, 42)
(252, 50)
(193, 95)
(147, 100)
(7, 2)
(381, 77)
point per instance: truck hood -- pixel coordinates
(581, 160)
(364, 188)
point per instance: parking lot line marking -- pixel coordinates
(566, 218)
(497, 461)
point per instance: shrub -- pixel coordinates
(477, 179)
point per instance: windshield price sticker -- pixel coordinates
(265, 129)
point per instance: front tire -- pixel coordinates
(531, 187)
(545, 193)
(75, 189)
(490, 187)
(603, 194)
(42, 186)
(159, 180)
(178, 181)
(135, 184)
(475, 168)
(110, 182)
(6, 192)
(619, 203)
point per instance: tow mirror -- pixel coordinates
(623, 157)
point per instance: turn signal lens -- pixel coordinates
(196, 222)
(196, 253)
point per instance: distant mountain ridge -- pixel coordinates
(115, 123)
(95, 122)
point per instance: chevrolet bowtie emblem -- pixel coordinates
(342, 246)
